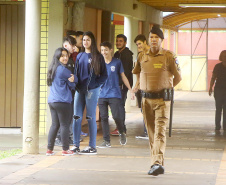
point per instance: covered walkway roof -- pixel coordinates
(186, 15)
(176, 20)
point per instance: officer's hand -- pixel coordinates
(135, 89)
(72, 78)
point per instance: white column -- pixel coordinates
(128, 30)
(55, 37)
(31, 77)
(131, 31)
(78, 16)
(146, 29)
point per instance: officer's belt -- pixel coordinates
(166, 94)
(152, 95)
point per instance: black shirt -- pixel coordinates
(126, 56)
(220, 72)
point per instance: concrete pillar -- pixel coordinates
(169, 39)
(69, 15)
(106, 26)
(128, 30)
(56, 28)
(31, 77)
(146, 28)
(176, 42)
(78, 14)
(131, 28)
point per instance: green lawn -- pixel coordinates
(9, 153)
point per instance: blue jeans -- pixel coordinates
(88, 99)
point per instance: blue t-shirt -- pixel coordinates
(60, 90)
(111, 88)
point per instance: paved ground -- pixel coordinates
(195, 154)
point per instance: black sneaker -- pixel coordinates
(104, 144)
(156, 170)
(88, 151)
(75, 149)
(123, 139)
(143, 136)
(57, 142)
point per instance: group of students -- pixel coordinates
(80, 77)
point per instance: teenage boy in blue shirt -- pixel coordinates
(110, 95)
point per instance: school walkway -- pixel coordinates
(195, 154)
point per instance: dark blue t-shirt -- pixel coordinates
(87, 79)
(111, 88)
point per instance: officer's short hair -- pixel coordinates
(106, 44)
(122, 36)
(220, 57)
(140, 37)
(70, 39)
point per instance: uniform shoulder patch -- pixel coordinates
(176, 61)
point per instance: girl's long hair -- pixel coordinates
(54, 64)
(95, 54)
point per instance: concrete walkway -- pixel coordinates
(195, 154)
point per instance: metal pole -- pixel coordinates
(207, 37)
(171, 113)
(31, 77)
(191, 59)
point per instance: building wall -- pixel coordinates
(13, 117)
(201, 72)
(12, 35)
(193, 73)
(215, 43)
(142, 12)
(43, 66)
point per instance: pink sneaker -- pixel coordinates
(49, 153)
(115, 132)
(67, 152)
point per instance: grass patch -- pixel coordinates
(9, 153)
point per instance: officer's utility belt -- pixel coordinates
(166, 94)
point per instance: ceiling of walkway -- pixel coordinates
(176, 20)
(173, 5)
(182, 15)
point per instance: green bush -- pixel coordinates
(9, 153)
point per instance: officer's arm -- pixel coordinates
(136, 71)
(175, 69)
(177, 78)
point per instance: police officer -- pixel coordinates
(159, 72)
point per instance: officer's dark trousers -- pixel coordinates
(220, 102)
(61, 118)
(117, 107)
